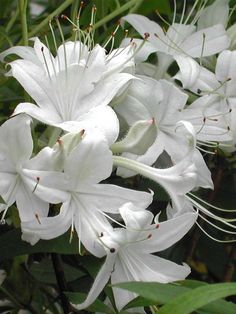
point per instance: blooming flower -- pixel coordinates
(88, 201)
(129, 253)
(20, 179)
(72, 90)
(180, 39)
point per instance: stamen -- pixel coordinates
(202, 50)
(183, 12)
(215, 226)
(37, 217)
(63, 43)
(211, 237)
(212, 206)
(72, 231)
(162, 18)
(111, 38)
(45, 62)
(206, 151)
(175, 11)
(174, 46)
(37, 179)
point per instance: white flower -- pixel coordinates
(87, 201)
(164, 104)
(29, 187)
(73, 89)
(214, 113)
(129, 253)
(180, 39)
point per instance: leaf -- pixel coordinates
(149, 6)
(196, 298)
(156, 293)
(44, 272)
(97, 306)
(12, 245)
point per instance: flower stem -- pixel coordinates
(23, 17)
(61, 281)
(115, 13)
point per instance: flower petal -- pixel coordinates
(99, 282)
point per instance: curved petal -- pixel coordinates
(47, 228)
(26, 53)
(168, 233)
(143, 25)
(99, 282)
(44, 115)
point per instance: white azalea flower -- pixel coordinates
(88, 202)
(73, 89)
(129, 253)
(180, 39)
(164, 104)
(29, 187)
(215, 120)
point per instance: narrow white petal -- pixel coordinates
(168, 233)
(99, 282)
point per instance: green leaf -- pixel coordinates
(156, 293)
(97, 306)
(12, 245)
(44, 272)
(149, 6)
(196, 298)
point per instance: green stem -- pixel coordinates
(59, 10)
(74, 11)
(23, 17)
(115, 13)
(12, 20)
(135, 7)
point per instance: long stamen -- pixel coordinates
(175, 11)
(224, 221)
(206, 151)
(215, 226)
(202, 50)
(212, 206)
(46, 64)
(213, 238)
(175, 46)
(162, 18)
(63, 43)
(183, 12)
(112, 37)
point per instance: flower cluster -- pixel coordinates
(114, 111)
